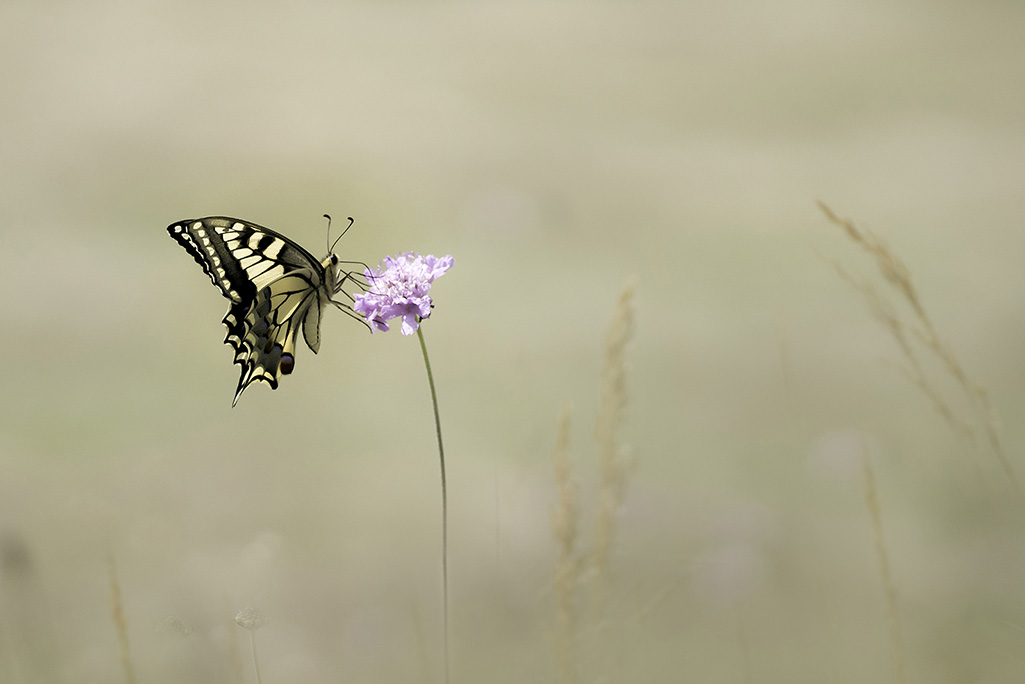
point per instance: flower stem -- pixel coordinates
(256, 663)
(444, 493)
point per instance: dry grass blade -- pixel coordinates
(613, 465)
(890, 266)
(612, 459)
(921, 329)
(565, 524)
(892, 615)
(118, 613)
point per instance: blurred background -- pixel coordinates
(559, 150)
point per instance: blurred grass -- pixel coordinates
(554, 149)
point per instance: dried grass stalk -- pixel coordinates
(871, 494)
(612, 457)
(920, 329)
(565, 526)
(118, 613)
(574, 564)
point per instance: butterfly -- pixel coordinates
(275, 287)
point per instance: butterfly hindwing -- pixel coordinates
(274, 287)
(266, 335)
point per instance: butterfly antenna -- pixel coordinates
(351, 221)
(328, 241)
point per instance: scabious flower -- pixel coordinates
(398, 289)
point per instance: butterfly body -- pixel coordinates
(274, 286)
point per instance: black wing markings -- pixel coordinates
(273, 286)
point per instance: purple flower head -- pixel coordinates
(398, 288)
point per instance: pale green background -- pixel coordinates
(557, 150)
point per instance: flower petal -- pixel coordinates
(399, 288)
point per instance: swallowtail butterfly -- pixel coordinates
(274, 286)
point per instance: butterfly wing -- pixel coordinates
(264, 339)
(274, 286)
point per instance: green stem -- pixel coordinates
(444, 492)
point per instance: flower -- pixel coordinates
(398, 288)
(173, 626)
(251, 618)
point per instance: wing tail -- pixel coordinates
(264, 337)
